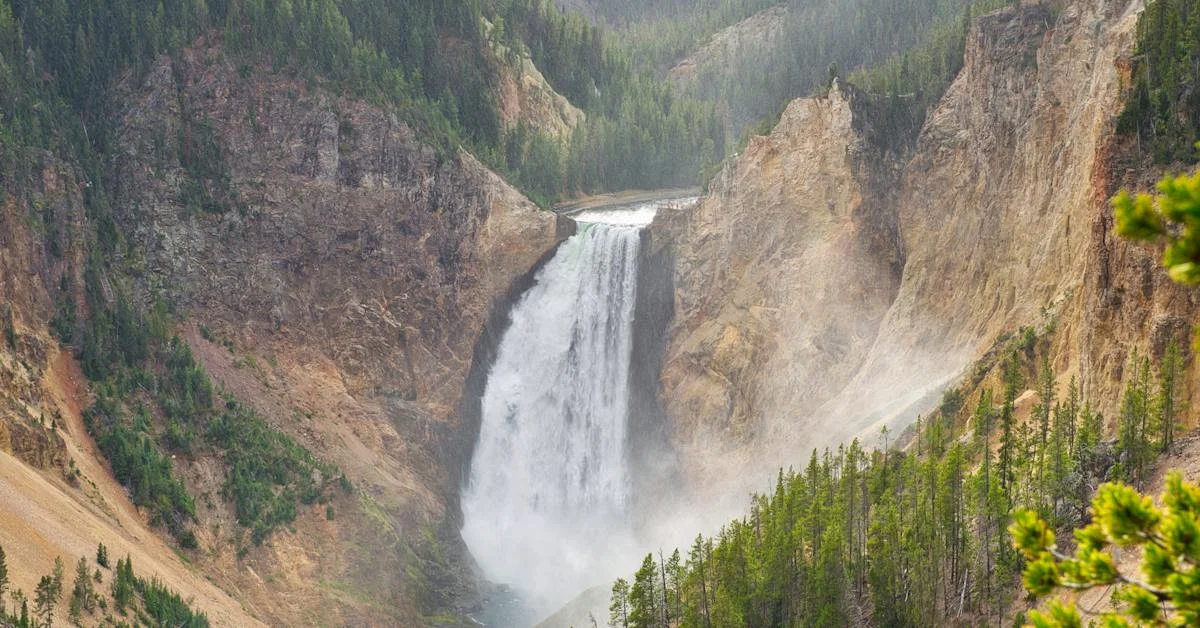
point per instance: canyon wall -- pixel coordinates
(826, 291)
(59, 497)
(334, 271)
(784, 271)
(341, 292)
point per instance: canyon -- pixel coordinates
(357, 285)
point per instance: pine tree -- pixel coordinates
(1008, 444)
(1072, 414)
(1133, 435)
(82, 593)
(1059, 471)
(674, 572)
(45, 598)
(102, 556)
(1124, 518)
(982, 420)
(123, 584)
(1167, 394)
(644, 610)
(699, 568)
(618, 608)
(3, 578)
(56, 578)
(1041, 413)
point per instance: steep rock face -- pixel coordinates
(996, 202)
(341, 271)
(783, 273)
(1001, 217)
(1005, 211)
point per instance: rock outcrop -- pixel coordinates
(824, 295)
(783, 274)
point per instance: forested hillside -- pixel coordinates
(620, 12)
(430, 61)
(915, 533)
(126, 348)
(435, 65)
(1164, 109)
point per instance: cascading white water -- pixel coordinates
(546, 505)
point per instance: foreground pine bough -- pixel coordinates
(1168, 536)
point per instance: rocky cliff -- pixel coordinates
(824, 293)
(340, 290)
(783, 274)
(334, 271)
(525, 96)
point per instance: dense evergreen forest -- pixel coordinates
(915, 535)
(1164, 110)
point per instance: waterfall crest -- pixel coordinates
(546, 504)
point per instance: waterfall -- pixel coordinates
(546, 505)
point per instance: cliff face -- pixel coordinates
(338, 285)
(996, 203)
(783, 274)
(334, 272)
(792, 318)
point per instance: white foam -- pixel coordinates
(546, 509)
(637, 215)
